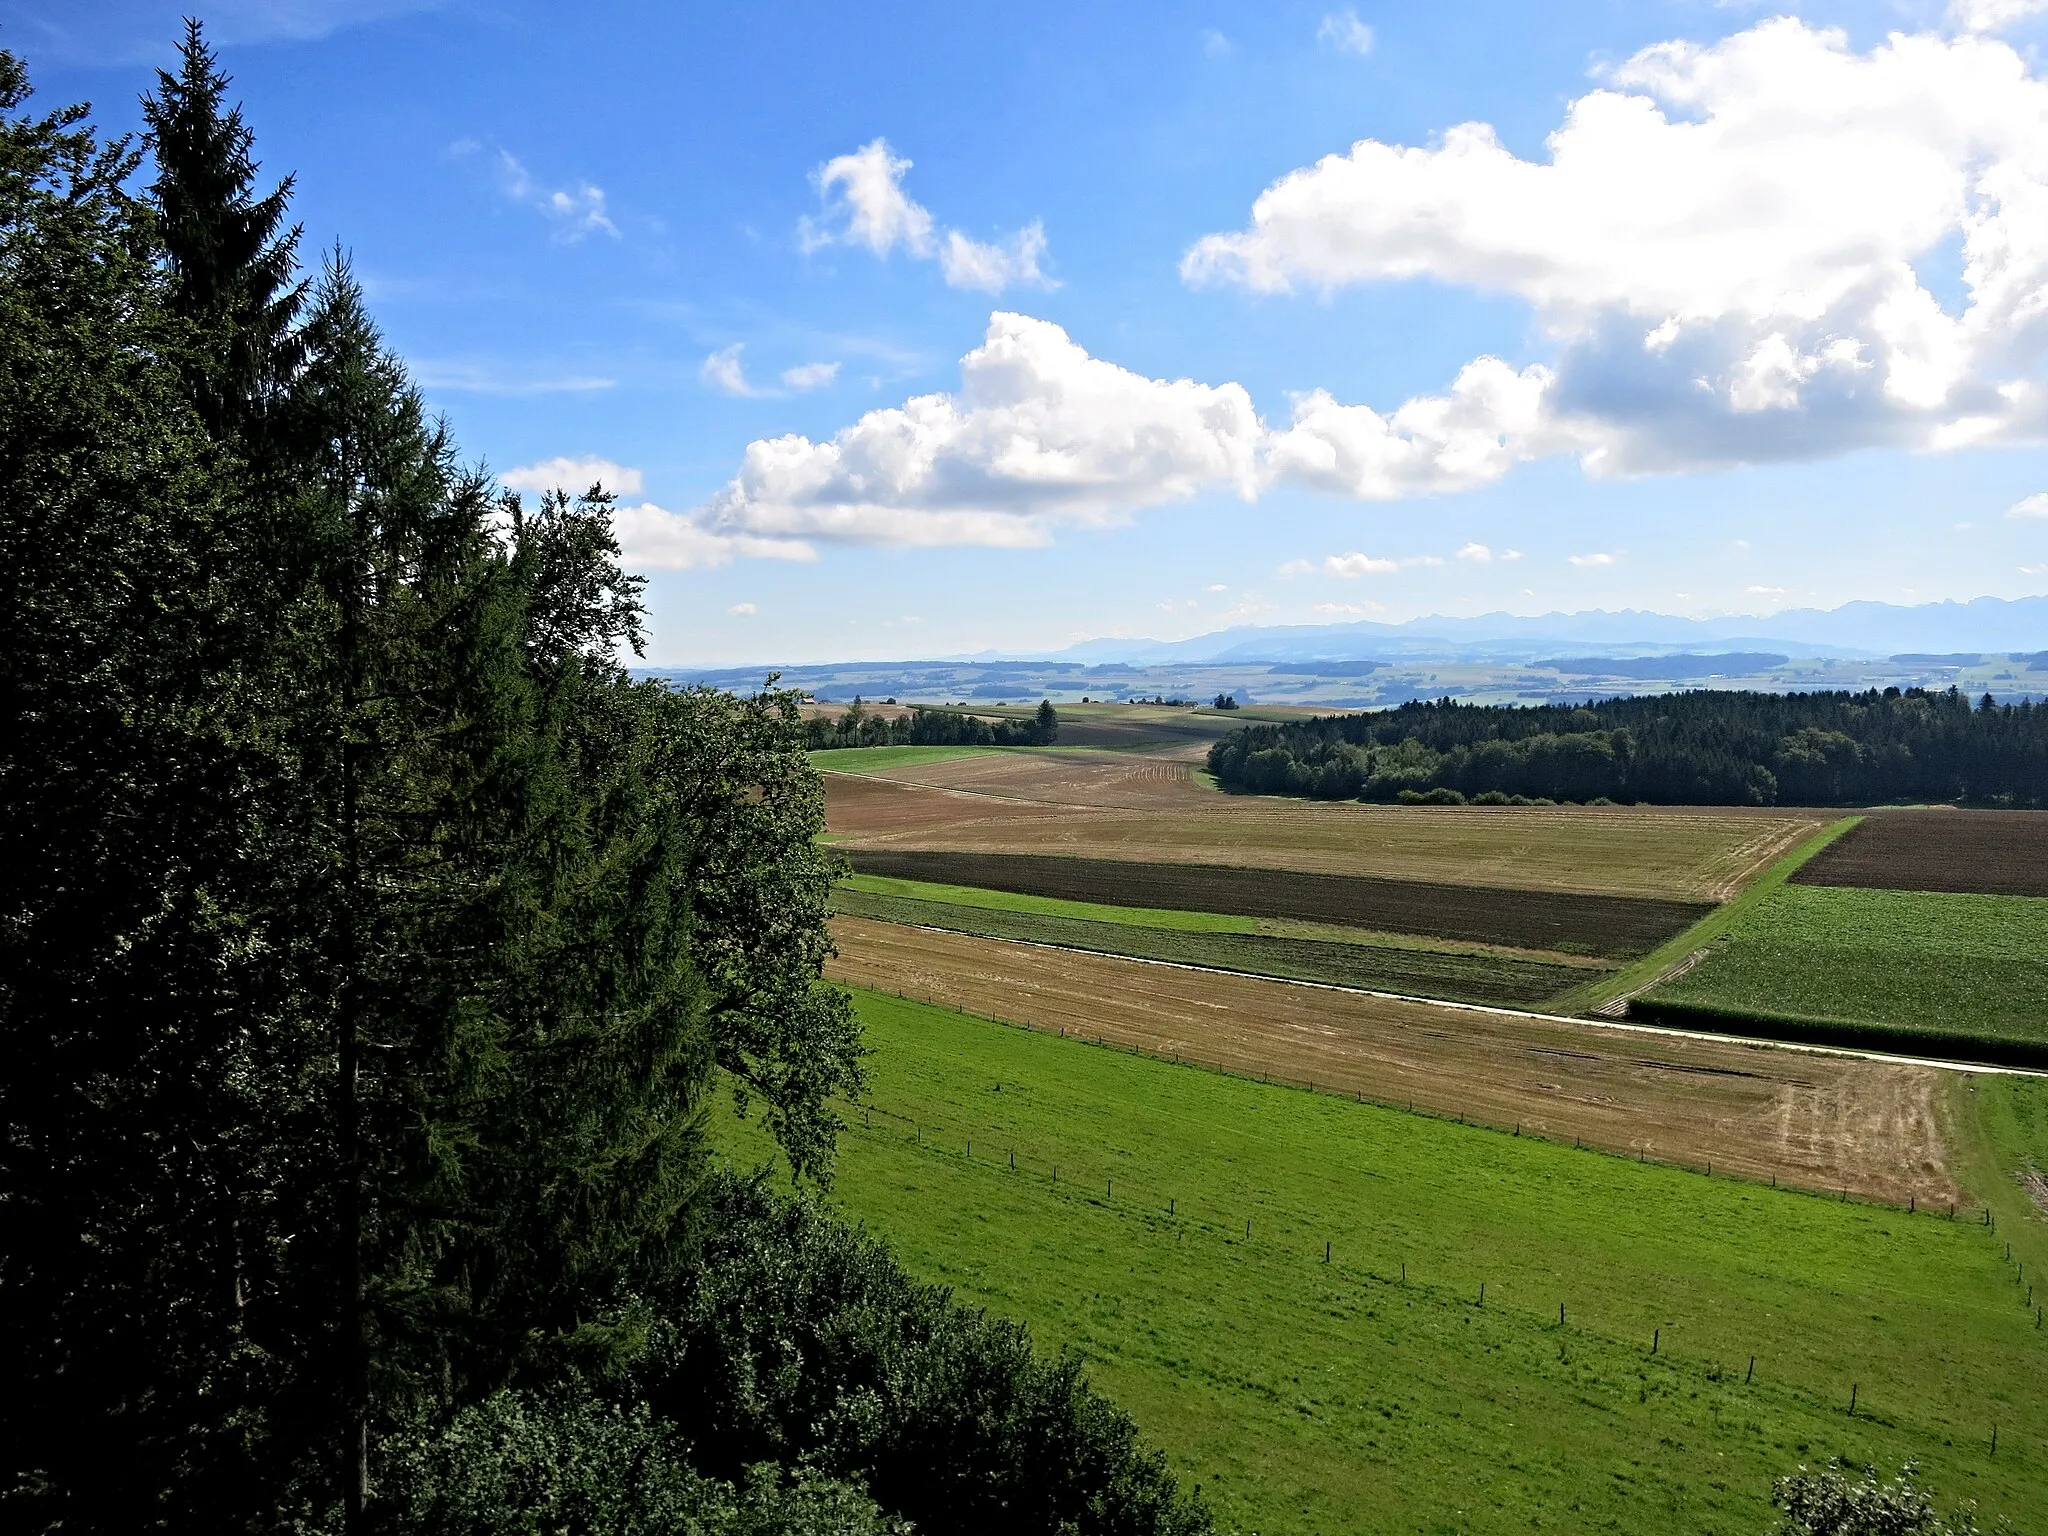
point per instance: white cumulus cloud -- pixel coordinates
(1990, 15)
(723, 372)
(864, 204)
(1597, 558)
(742, 610)
(574, 476)
(1477, 553)
(2035, 505)
(575, 210)
(654, 538)
(1733, 250)
(1039, 432)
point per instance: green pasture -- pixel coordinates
(879, 759)
(1460, 976)
(1307, 1396)
(1965, 967)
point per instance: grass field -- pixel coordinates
(889, 759)
(1307, 1396)
(1949, 966)
(1462, 976)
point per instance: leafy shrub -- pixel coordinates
(1832, 1502)
(1438, 796)
(800, 1339)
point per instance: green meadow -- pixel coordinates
(1380, 1391)
(882, 759)
(1943, 965)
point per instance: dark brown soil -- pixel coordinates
(1987, 853)
(1615, 926)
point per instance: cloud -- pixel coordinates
(1343, 31)
(1479, 554)
(864, 204)
(1351, 608)
(1349, 567)
(1762, 591)
(2035, 505)
(1723, 248)
(1493, 419)
(1597, 558)
(1991, 15)
(654, 538)
(992, 268)
(743, 610)
(1039, 433)
(809, 376)
(574, 476)
(469, 376)
(722, 372)
(575, 211)
(1216, 45)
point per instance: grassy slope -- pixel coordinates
(881, 759)
(1946, 965)
(1310, 1397)
(1458, 976)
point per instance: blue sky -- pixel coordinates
(1761, 327)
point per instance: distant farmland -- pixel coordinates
(1897, 969)
(1584, 924)
(1169, 1224)
(1986, 853)
(1460, 976)
(1118, 806)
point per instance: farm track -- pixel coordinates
(1557, 920)
(1150, 809)
(1980, 853)
(1823, 1122)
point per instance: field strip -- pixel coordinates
(1648, 971)
(973, 794)
(1577, 1021)
(1825, 1121)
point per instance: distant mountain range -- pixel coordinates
(1986, 624)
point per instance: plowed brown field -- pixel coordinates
(1120, 806)
(1823, 1122)
(1985, 853)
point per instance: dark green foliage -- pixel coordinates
(932, 728)
(1226, 701)
(573, 1462)
(797, 1338)
(1709, 747)
(1834, 1502)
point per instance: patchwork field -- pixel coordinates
(1151, 810)
(1819, 1121)
(1179, 1247)
(1989, 853)
(1560, 920)
(1939, 970)
(1462, 976)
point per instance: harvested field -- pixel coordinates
(1458, 976)
(1984, 853)
(1119, 806)
(1823, 1122)
(1581, 924)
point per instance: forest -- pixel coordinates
(373, 947)
(1702, 747)
(931, 728)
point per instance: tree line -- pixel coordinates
(1703, 747)
(924, 727)
(373, 947)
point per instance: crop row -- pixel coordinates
(1472, 978)
(1614, 926)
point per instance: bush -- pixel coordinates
(799, 1339)
(568, 1461)
(1494, 797)
(1438, 796)
(1831, 1502)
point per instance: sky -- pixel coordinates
(924, 330)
